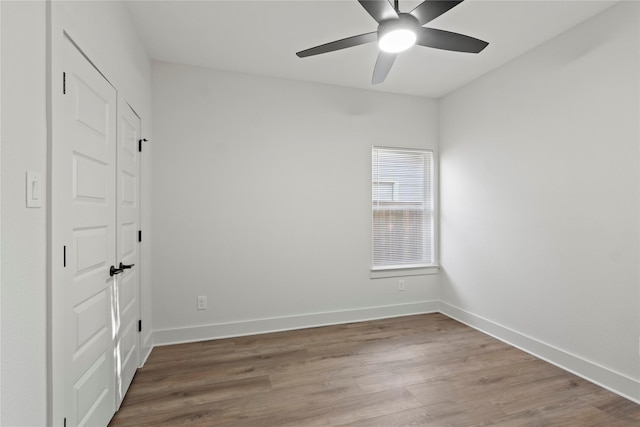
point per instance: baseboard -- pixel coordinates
(616, 382)
(276, 324)
(145, 348)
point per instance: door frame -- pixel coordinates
(62, 28)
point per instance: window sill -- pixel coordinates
(402, 272)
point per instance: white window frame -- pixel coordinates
(418, 269)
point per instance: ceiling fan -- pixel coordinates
(398, 31)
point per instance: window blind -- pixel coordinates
(402, 208)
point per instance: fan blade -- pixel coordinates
(383, 66)
(431, 9)
(446, 40)
(339, 44)
(379, 10)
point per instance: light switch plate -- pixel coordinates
(34, 190)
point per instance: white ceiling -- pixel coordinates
(262, 37)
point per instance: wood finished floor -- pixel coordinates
(425, 370)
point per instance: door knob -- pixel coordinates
(125, 266)
(113, 271)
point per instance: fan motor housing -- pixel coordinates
(404, 21)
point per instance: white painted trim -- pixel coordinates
(146, 348)
(609, 379)
(404, 272)
(1, 342)
(276, 324)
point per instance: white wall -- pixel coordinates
(540, 200)
(261, 202)
(23, 277)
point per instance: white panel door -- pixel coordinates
(84, 207)
(128, 255)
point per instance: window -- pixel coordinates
(402, 208)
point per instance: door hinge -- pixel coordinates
(65, 423)
(140, 141)
(64, 83)
(64, 256)
(139, 325)
(139, 235)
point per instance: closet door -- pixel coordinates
(84, 223)
(128, 255)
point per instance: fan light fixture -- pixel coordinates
(399, 31)
(397, 40)
(398, 34)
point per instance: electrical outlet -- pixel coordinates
(400, 285)
(202, 303)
